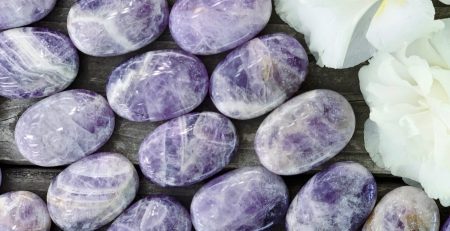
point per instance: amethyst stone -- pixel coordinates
(92, 192)
(446, 226)
(23, 211)
(249, 198)
(108, 28)
(210, 27)
(64, 128)
(305, 132)
(154, 213)
(158, 85)
(259, 76)
(35, 62)
(188, 149)
(16, 13)
(339, 197)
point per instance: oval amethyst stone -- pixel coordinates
(446, 226)
(64, 128)
(158, 85)
(304, 132)
(188, 149)
(211, 27)
(259, 76)
(16, 13)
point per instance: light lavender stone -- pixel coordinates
(92, 192)
(154, 213)
(446, 226)
(64, 128)
(158, 85)
(188, 149)
(16, 13)
(23, 211)
(35, 62)
(259, 76)
(108, 28)
(339, 197)
(249, 198)
(211, 27)
(305, 132)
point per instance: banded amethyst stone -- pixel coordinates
(250, 198)
(154, 213)
(108, 28)
(339, 197)
(305, 132)
(16, 13)
(211, 27)
(402, 209)
(158, 85)
(259, 76)
(23, 211)
(188, 149)
(64, 128)
(35, 62)
(92, 192)
(446, 226)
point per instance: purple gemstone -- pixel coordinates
(108, 28)
(154, 213)
(305, 132)
(16, 13)
(64, 128)
(249, 198)
(259, 76)
(35, 62)
(23, 211)
(188, 149)
(403, 209)
(210, 27)
(339, 197)
(92, 191)
(158, 85)
(446, 226)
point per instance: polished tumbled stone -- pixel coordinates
(259, 76)
(305, 132)
(157, 85)
(23, 211)
(109, 28)
(188, 149)
(16, 13)
(446, 226)
(339, 197)
(210, 27)
(249, 198)
(64, 128)
(35, 62)
(154, 213)
(92, 191)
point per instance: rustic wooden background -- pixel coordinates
(18, 174)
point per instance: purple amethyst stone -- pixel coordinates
(446, 226)
(211, 27)
(35, 62)
(154, 213)
(305, 132)
(109, 28)
(188, 149)
(158, 85)
(249, 198)
(339, 197)
(64, 128)
(259, 76)
(16, 13)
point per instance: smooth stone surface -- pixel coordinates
(259, 76)
(305, 132)
(188, 149)
(108, 28)
(249, 198)
(35, 62)
(339, 197)
(64, 128)
(154, 213)
(23, 211)
(16, 13)
(402, 209)
(446, 226)
(92, 192)
(157, 85)
(211, 27)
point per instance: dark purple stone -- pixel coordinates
(446, 226)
